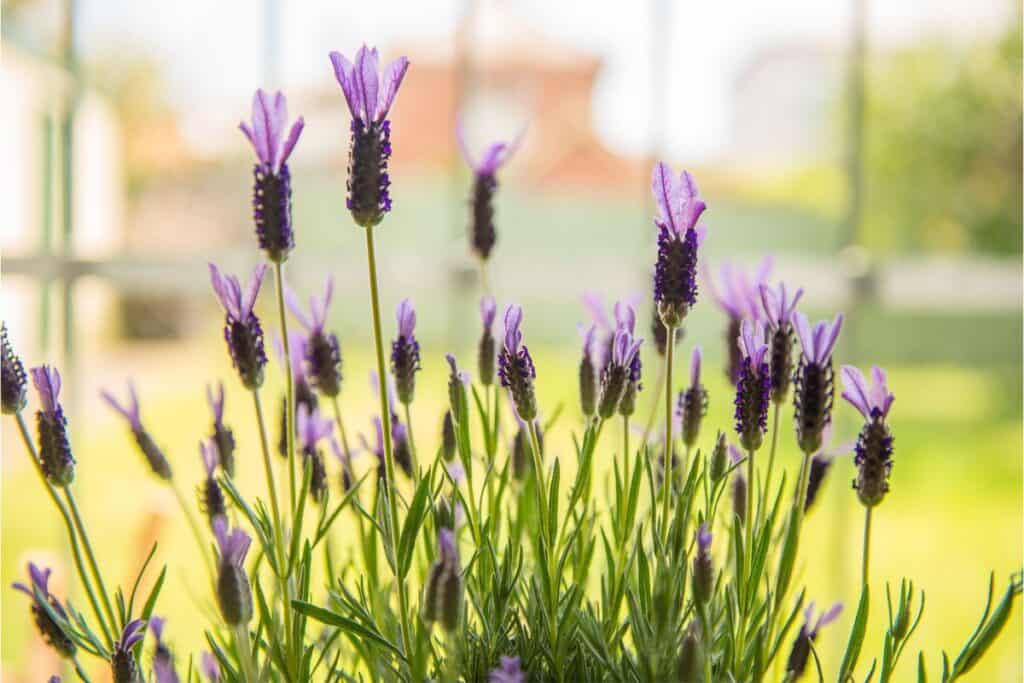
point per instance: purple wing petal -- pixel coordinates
(343, 72)
(252, 290)
(406, 316)
(625, 316)
(513, 335)
(855, 390)
(663, 189)
(261, 125)
(289, 144)
(803, 333)
(771, 304)
(210, 667)
(392, 79)
(828, 617)
(488, 309)
(292, 301)
(47, 382)
(208, 453)
(829, 340)
(366, 81)
(695, 361)
(593, 302)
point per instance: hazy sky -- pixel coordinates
(212, 52)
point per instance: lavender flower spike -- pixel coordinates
(154, 456)
(779, 309)
(123, 664)
(485, 349)
(618, 373)
(442, 596)
(272, 188)
(163, 660)
(625, 319)
(211, 498)
(242, 329)
(369, 96)
(322, 350)
(509, 671)
(311, 428)
(51, 631)
(692, 404)
(873, 452)
(588, 374)
(737, 295)
(814, 388)
(55, 458)
(222, 437)
(515, 366)
(234, 594)
(209, 666)
(799, 654)
(13, 381)
(405, 353)
(675, 274)
(485, 182)
(753, 388)
(703, 573)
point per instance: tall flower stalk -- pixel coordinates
(675, 282)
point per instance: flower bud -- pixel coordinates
(234, 594)
(13, 381)
(719, 459)
(55, 458)
(448, 441)
(442, 598)
(703, 572)
(691, 659)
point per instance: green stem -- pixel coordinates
(412, 444)
(90, 555)
(667, 483)
(289, 383)
(542, 487)
(865, 560)
(385, 417)
(245, 656)
(279, 535)
(749, 521)
(625, 438)
(76, 551)
(341, 425)
(194, 526)
(771, 462)
(79, 670)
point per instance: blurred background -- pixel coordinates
(874, 148)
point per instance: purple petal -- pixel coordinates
(488, 309)
(156, 625)
(210, 667)
(704, 538)
(392, 79)
(460, 136)
(133, 632)
(289, 143)
(448, 548)
(406, 316)
(40, 577)
(260, 127)
(224, 292)
(625, 316)
(292, 302)
(829, 340)
(689, 213)
(210, 456)
(855, 390)
(129, 412)
(594, 303)
(803, 333)
(513, 319)
(695, 360)
(216, 401)
(318, 309)
(881, 397)
(770, 302)
(343, 72)
(735, 454)
(47, 382)
(828, 617)
(366, 81)
(663, 189)
(246, 304)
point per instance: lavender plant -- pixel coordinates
(498, 558)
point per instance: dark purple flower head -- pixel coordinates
(234, 594)
(442, 596)
(872, 400)
(322, 351)
(817, 343)
(482, 233)
(47, 382)
(509, 671)
(13, 380)
(123, 664)
(779, 310)
(222, 437)
(368, 93)
(588, 373)
(51, 631)
(211, 498)
(753, 388)
(618, 374)
(873, 452)
(369, 98)
(405, 353)
(209, 667)
(679, 237)
(703, 573)
(799, 654)
(154, 456)
(515, 366)
(267, 132)
(55, 457)
(242, 329)
(693, 403)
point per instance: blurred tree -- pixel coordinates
(943, 155)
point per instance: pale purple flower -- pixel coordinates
(369, 94)
(509, 671)
(238, 304)
(130, 410)
(704, 538)
(679, 204)
(406, 315)
(737, 292)
(778, 307)
(625, 348)
(752, 343)
(163, 661)
(233, 545)
(872, 400)
(311, 427)
(494, 157)
(216, 403)
(316, 319)
(133, 632)
(515, 365)
(513, 335)
(209, 666)
(267, 133)
(818, 342)
(488, 311)
(209, 455)
(47, 383)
